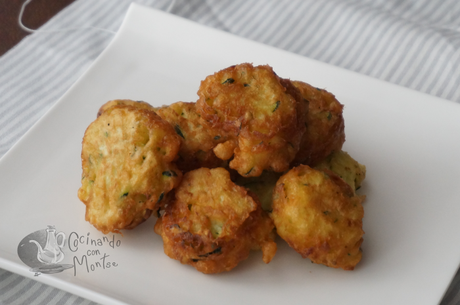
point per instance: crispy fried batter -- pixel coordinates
(197, 141)
(262, 186)
(127, 170)
(213, 224)
(325, 125)
(261, 114)
(319, 216)
(137, 104)
(341, 163)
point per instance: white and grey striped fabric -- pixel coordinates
(413, 43)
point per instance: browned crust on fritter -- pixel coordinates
(325, 125)
(319, 216)
(127, 165)
(137, 104)
(213, 224)
(261, 114)
(197, 141)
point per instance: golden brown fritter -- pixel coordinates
(261, 114)
(325, 125)
(319, 216)
(341, 163)
(137, 104)
(197, 141)
(127, 170)
(212, 224)
(261, 186)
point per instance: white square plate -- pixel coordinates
(408, 141)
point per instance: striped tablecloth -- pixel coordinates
(412, 43)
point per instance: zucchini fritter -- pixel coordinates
(127, 170)
(137, 104)
(197, 141)
(212, 224)
(341, 163)
(262, 186)
(325, 125)
(319, 216)
(261, 114)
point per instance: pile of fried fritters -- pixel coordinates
(257, 155)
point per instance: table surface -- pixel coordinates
(35, 15)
